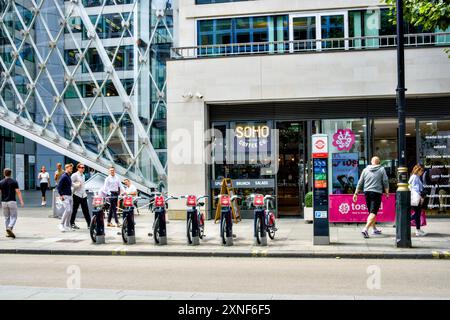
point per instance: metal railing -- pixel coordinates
(315, 45)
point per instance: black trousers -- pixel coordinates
(416, 215)
(44, 187)
(113, 207)
(84, 207)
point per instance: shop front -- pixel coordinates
(265, 148)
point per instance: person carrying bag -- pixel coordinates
(417, 198)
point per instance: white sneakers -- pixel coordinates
(64, 228)
(420, 233)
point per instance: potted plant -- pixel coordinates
(308, 210)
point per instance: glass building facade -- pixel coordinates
(92, 74)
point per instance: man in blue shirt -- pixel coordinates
(65, 193)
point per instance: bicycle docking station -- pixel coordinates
(226, 223)
(129, 218)
(161, 214)
(259, 225)
(321, 226)
(100, 228)
(97, 226)
(193, 215)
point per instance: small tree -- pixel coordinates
(429, 14)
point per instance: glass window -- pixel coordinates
(332, 28)
(89, 90)
(94, 61)
(384, 142)
(110, 90)
(75, 24)
(434, 153)
(243, 30)
(347, 147)
(71, 92)
(110, 25)
(71, 57)
(304, 32)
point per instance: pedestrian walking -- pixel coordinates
(417, 196)
(9, 189)
(44, 182)
(79, 196)
(58, 173)
(373, 182)
(112, 187)
(65, 192)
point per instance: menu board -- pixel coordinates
(436, 159)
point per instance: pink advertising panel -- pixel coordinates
(343, 209)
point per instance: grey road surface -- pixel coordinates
(240, 276)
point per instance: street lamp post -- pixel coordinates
(403, 229)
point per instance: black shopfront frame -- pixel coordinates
(421, 109)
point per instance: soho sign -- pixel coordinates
(252, 132)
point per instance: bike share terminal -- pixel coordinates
(321, 226)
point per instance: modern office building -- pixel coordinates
(249, 82)
(86, 79)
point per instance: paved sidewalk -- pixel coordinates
(38, 234)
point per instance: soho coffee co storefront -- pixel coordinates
(265, 147)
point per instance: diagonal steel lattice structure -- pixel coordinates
(63, 84)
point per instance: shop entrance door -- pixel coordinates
(291, 169)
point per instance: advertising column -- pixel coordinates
(321, 234)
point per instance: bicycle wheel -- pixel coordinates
(271, 226)
(156, 230)
(201, 226)
(271, 232)
(189, 230)
(223, 231)
(93, 229)
(258, 230)
(125, 231)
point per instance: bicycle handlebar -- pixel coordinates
(231, 199)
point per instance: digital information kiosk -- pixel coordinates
(321, 235)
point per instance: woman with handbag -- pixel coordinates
(417, 196)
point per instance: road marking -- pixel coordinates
(255, 252)
(264, 253)
(120, 250)
(436, 254)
